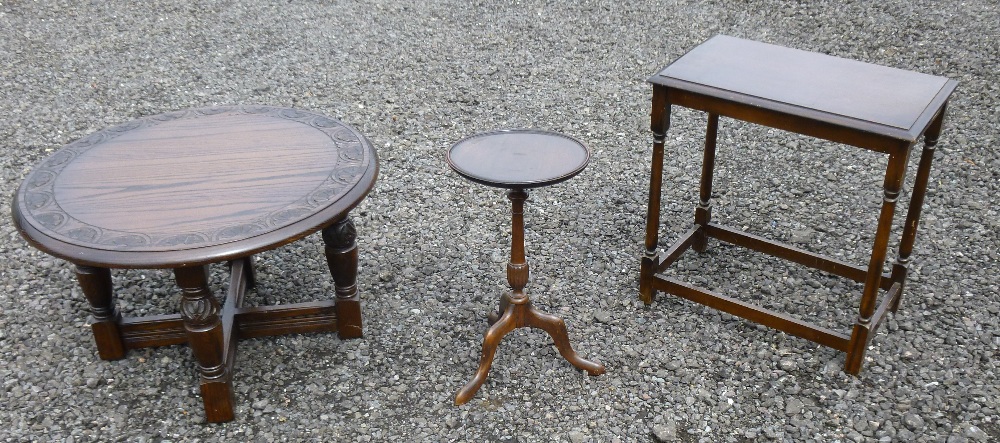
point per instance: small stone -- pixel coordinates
(602, 316)
(667, 431)
(802, 235)
(861, 425)
(793, 406)
(975, 433)
(913, 422)
(451, 422)
(577, 436)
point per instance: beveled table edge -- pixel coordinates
(231, 250)
(522, 185)
(204, 255)
(909, 135)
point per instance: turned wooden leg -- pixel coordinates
(860, 337)
(342, 259)
(900, 267)
(496, 332)
(703, 213)
(659, 124)
(200, 313)
(556, 328)
(96, 285)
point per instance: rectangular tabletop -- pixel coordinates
(847, 93)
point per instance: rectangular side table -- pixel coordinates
(845, 101)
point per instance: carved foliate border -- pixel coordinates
(37, 199)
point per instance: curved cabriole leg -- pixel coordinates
(96, 285)
(200, 313)
(517, 311)
(556, 327)
(491, 340)
(342, 259)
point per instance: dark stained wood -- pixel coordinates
(518, 159)
(194, 187)
(790, 253)
(872, 107)
(754, 313)
(185, 189)
(703, 213)
(97, 287)
(250, 322)
(668, 257)
(296, 318)
(208, 341)
(342, 259)
(659, 124)
(153, 330)
(521, 314)
(853, 95)
(529, 159)
(899, 268)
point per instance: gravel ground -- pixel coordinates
(416, 76)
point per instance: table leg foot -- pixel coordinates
(218, 399)
(503, 326)
(556, 327)
(859, 344)
(96, 285)
(342, 259)
(208, 341)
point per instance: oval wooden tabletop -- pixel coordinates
(518, 158)
(195, 186)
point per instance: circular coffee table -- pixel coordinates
(518, 160)
(185, 189)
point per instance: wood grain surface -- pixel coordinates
(195, 179)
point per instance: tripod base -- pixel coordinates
(519, 313)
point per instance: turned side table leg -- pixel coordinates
(900, 267)
(97, 287)
(342, 259)
(200, 313)
(517, 268)
(659, 124)
(860, 336)
(703, 213)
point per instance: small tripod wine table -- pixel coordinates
(518, 160)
